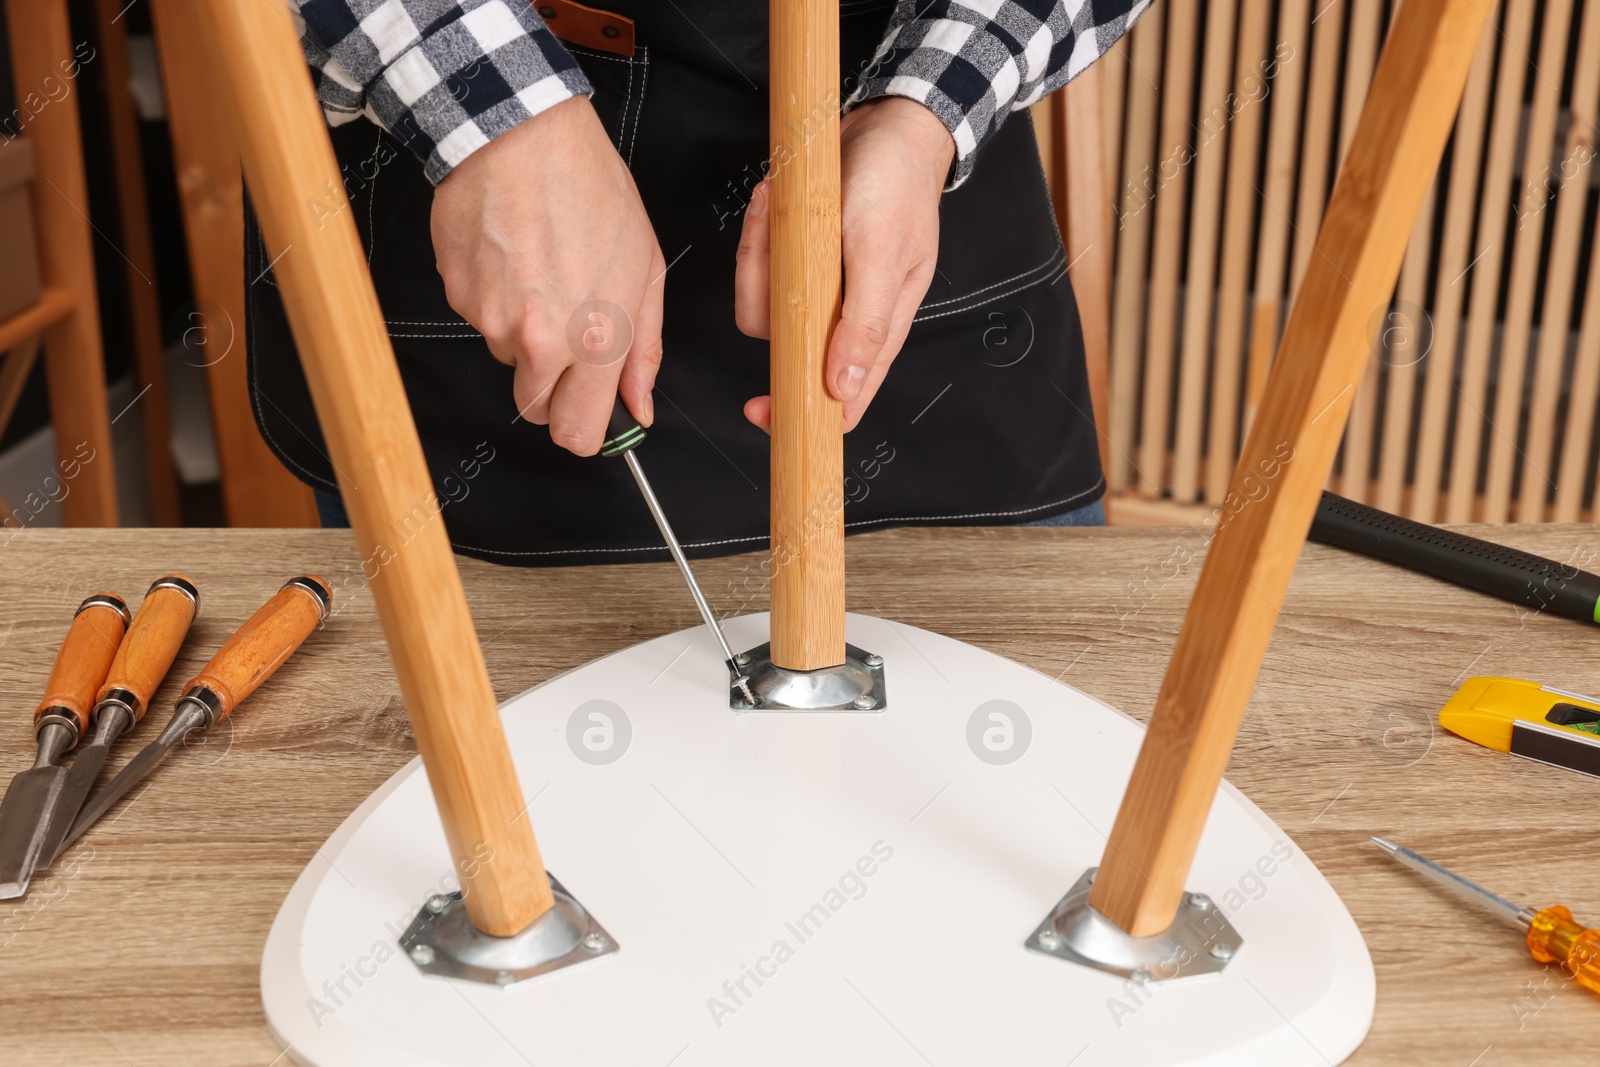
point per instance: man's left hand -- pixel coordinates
(895, 157)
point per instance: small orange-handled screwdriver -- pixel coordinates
(1553, 937)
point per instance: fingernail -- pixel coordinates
(648, 416)
(758, 201)
(848, 382)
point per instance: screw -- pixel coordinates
(593, 942)
(422, 955)
(742, 659)
(504, 978)
(1199, 902)
(1221, 952)
(437, 903)
(874, 660)
(864, 702)
(1049, 938)
(1088, 879)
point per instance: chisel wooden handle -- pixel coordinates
(260, 646)
(83, 661)
(151, 644)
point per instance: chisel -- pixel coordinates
(258, 648)
(623, 435)
(80, 667)
(146, 654)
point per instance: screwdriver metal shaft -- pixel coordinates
(1552, 934)
(625, 435)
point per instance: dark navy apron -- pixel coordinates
(983, 420)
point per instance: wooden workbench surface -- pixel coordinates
(145, 948)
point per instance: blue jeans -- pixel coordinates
(1088, 515)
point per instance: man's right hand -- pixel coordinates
(545, 247)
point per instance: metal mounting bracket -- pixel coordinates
(1199, 941)
(441, 940)
(855, 685)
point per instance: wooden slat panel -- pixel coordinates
(1473, 412)
(1316, 139)
(1406, 333)
(1527, 249)
(1576, 446)
(1456, 251)
(1272, 248)
(1570, 498)
(1134, 220)
(1361, 51)
(1172, 178)
(1249, 88)
(1211, 136)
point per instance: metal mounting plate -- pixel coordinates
(441, 940)
(855, 685)
(1199, 941)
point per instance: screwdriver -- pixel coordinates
(624, 434)
(146, 654)
(81, 665)
(250, 656)
(1553, 936)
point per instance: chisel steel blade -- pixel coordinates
(24, 817)
(80, 779)
(188, 717)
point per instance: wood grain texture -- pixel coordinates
(83, 660)
(259, 647)
(1570, 490)
(374, 447)
(257, 490)
(807, 285)
(150, 646)
(42, 52)
(133, 232)
(1290, 450)
(1340, 743)
(1455, 255)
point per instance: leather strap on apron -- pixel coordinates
(587, 26)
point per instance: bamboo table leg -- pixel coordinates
(1285, 461)
(355, 383)
(806, 289)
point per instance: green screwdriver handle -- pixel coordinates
(623, 434)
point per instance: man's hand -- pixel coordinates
(895, 158)
(545, 248)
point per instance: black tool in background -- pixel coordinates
(1520, 577)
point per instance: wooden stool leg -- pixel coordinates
(806, 287)
(361, 403)
(1285, 461)
(41, 54)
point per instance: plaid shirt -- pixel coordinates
(447, 76)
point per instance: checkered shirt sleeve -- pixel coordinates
(972, 62)
(444, 76)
